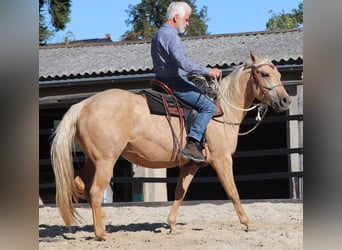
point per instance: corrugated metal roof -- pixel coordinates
(213, 50)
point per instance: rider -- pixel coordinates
(171, 67)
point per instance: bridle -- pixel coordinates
(255, 79)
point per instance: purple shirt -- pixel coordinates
(168, 55)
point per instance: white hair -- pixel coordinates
(179, 8)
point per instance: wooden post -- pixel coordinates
(155, 191)
(296, 141)
(149, 191)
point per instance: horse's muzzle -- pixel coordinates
(281, 104)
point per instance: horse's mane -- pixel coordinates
(229, 84)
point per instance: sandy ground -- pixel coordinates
(206, 225)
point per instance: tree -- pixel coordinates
(59, 11)
(148, 16)
(286, 20)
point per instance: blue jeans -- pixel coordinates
(186, 91)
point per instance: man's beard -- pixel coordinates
(181, 28)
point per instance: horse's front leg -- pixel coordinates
(224, 169)
(185, 177)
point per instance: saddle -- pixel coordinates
(161, 101)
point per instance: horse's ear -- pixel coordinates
(254, 57)
(267, 58)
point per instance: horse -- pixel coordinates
(117, 122)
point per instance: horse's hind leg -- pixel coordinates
(84, 179)
(186, 175)
(102, 176)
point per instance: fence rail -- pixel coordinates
(213, 179)
(246, 177)
(79, 160)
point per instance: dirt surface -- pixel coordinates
(207, 225)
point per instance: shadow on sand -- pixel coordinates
(48, 231)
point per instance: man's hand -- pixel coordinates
(215, 73)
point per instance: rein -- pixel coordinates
(217, 85)
(262, 108)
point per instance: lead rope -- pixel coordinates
(262, 108)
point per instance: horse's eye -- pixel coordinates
(263, 74)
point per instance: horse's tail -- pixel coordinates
(62, 162)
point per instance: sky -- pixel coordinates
(94, 19)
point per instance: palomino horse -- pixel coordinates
(117, 122)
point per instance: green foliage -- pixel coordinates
(59, 11)
(44, 32)
(286, 20)
(148, 16)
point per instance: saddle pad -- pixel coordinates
(155, 103)
(156, 106)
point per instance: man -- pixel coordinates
(171, 67)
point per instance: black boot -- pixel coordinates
(193, 151)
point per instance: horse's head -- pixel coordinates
(267, 86)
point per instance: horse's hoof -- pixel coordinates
(250, 228)
(102, 237)
(172, 230)
(79, 183)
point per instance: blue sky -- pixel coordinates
(93, 19)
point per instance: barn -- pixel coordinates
(268, 163)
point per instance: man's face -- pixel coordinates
(183, 22)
